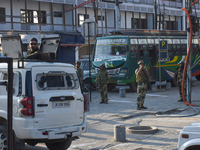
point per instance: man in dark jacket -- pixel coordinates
(102, 81)
(33, 44)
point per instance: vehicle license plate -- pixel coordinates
(61, 104)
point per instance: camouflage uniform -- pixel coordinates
(179, 80)
(141, 80)
(102, 81)
(80, 74)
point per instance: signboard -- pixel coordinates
(89, 29)
(163, 45)
(163, 50)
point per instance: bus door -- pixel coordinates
(177, 47)
(143, 51)
(184, 46)
(152, 55)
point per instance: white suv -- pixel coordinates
(189, 137)
(48, 105)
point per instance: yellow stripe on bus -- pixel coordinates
(174, 60)
(157, 65)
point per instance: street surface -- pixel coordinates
(103, 117)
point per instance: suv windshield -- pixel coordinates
(57, 81)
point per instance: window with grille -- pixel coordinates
(33, 16)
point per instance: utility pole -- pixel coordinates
(155, 14)
(188, 77)
(118, 16)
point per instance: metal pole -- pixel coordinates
(188, 77)
(101, 20)
(89, 58)
(155, 15)
(10, 103)
(159, 64)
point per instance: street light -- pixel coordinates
(89, 31)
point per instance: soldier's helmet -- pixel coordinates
(182, 63)
(103, 65)
(140, 62)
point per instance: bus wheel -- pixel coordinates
(111, 86)
(197, 77)
(174, 80)
(133, 86)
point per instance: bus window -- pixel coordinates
(178, 50)
(143, 50)
(134, 51)
(170, 50)
(195, 48)
(184, 49)
(152, 51)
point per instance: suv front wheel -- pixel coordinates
(59, 145)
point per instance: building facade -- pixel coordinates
(49, 17)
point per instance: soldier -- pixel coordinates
(142, 74)
(33, 44)
(79, 71)
(102, 81)
(179, 81)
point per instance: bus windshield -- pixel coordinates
(110, 49)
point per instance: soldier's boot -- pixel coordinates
(106, 101)
(138, 106)
(143, 107)
(101, 102)
(181, 100)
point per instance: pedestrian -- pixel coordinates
(142, 74)
(79, 71)
(34, 54)
(102, 81)
(179, 81)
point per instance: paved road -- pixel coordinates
(103, 117)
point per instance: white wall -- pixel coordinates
(57, 7)
(123, 19)
(150, 21)
(178, 19)
(110, 18)
(128, 19)
(68, 15)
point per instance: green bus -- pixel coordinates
(120, 54)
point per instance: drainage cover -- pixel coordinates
(141, 130)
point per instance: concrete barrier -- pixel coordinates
(119, 132)
(122, 92)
